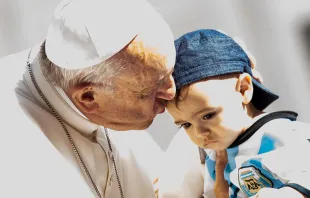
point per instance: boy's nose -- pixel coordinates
(203, 134)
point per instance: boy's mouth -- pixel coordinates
(210, 142)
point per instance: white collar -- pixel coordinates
(57, 98)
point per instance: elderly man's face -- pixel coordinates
(141, 91)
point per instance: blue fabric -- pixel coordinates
(211, 167)
(267, 144)
(206, 53)
(231, 165)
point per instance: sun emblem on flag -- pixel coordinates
(251, 180)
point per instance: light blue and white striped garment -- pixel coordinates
(275, 156)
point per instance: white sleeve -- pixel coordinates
(300, 179)
(293, 164)
(147, 152)
(302, 129)
(293, 161)
(181, 174)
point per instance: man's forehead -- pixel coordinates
(162, 77)
(144, 79)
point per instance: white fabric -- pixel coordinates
(83, 33)
(37, 159)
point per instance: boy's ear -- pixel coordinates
(245, 87)
(183, 92)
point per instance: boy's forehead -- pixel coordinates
(183, 110)
(188, 99)
(179, 113)
(202, 87)
(203, 94)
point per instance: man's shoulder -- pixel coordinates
(19, 58)
(13, 66)
(16, 58)
(28, 157)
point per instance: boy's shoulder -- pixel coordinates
(287, 130)
(280, 125)
(301, 129)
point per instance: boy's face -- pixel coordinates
(212, 112)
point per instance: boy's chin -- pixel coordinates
(216, 146)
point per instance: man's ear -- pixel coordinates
(245, 87)
(84, 98)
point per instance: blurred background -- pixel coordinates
(277, 33)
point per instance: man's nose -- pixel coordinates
(167, 90)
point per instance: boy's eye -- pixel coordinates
(186, 125)
(208, 116)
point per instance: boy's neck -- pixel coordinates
(252, 111)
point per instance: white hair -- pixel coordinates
(101, 74)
